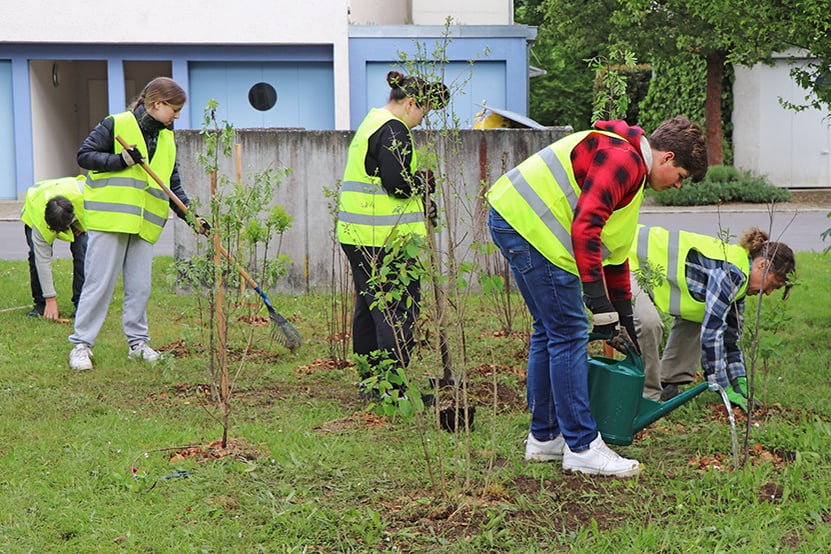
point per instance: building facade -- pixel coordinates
(316, 65)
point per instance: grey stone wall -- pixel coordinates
(469, 162)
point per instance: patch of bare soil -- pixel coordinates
(506, 398)
(579, 501)
(820, 198)
(236, 448)
(180, 349)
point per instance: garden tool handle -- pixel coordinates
(155, 177)
(181, 205)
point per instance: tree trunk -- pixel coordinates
(712, 107)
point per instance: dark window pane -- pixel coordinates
(262, 97)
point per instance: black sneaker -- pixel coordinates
(428, 399)
(669, 392)
(34, 313)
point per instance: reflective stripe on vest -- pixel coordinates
(666, 254)
(38, 195)
(367, 215)
(129, 200)
(538, 197)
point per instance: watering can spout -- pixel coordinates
(649, 410)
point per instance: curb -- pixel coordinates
(735, 208)
(10, 210)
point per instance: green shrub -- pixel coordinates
(724, 184)
(722, 174)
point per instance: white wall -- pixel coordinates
(793, 149)
(184, 21)
(53, 111)
(431, 12)
(379, 12)
(463, 12)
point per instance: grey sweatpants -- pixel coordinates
(108, 255)
(682, 353)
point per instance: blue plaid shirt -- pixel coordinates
(716, 283)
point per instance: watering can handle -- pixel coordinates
(633, 357)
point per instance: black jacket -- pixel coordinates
(97, 151)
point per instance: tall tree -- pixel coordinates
(800, 28)
(563, 95)
(661, 29)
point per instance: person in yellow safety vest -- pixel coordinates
(126, 211)
(565, 219)
(54, 209)
(702, 282)
(382, 199)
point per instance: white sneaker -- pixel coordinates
(140, 351)
(544, 451)
(599, 459)
(79, 357)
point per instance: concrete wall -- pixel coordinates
(317, 159)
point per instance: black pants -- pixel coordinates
(79, 250)
(385, 328)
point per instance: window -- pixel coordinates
(262, 97)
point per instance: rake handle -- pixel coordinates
(181, 205)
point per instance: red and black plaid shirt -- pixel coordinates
(609, 172)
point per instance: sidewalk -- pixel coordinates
(10, 210)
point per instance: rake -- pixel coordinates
(284, 332)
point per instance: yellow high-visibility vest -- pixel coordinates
(367, 215)
(537, 198)
(129, 200)
(666, 253)
(71, 188)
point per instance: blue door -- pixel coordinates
(264, 94)
(468, 84)
(8, 186)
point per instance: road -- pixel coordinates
(798, 226)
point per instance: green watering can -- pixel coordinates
(616, 397)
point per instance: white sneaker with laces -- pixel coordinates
(544, 451)
(140, 351)
(599, 459)
(79, 357)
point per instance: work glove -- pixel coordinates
(432, 212)
(201, 225)
(738, 395)
(426, 180)
(627, 324)
(606, 321)
(131, 156)
(736, 398)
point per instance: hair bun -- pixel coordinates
(394, 79)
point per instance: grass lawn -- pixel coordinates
(124, 458)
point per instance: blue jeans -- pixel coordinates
(558, 383)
